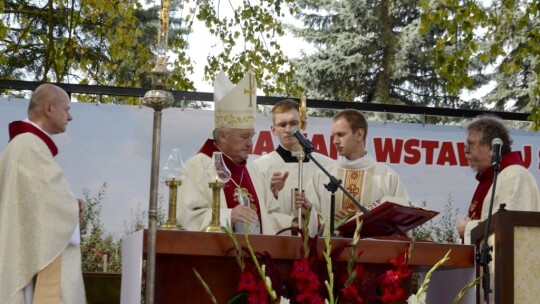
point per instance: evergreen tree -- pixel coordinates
(369, 51)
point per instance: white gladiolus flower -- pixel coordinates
(284, 301)
(414, 299)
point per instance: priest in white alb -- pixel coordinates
(279, 169)
(244, 199)
(39, 217)
(364, 178)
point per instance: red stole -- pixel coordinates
(244, 181)
(485, 179)
(21, 127)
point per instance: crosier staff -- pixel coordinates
(301, 155)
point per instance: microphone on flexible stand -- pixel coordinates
(334, 183)
(302, 140)
(496, 145)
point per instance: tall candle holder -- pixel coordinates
(171, 223)
(217, 174)
(215, 225)
(174, 171)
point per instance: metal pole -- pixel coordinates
(152, 210)
(156, 99)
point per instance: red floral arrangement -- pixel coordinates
(312, 279)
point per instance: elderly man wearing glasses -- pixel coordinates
(279, 169)
(516, 186)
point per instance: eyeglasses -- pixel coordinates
(283, 125)
(471, 145)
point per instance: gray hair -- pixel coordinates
(491, 127)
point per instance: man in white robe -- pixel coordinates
(516, 186)
(279, 168)
(364, 178)
(234, 114)
(39, 217)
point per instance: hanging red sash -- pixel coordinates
(485, 179)
(237, 170)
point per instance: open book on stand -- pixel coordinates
(388, 216)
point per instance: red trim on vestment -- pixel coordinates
(208, 148)
(485, 179)
(20, 127)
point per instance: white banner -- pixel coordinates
(113, 144)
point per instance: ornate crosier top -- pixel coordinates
(164, 23)
(303, 114)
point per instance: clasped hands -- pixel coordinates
(242, 213)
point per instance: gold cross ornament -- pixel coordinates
(251, 90)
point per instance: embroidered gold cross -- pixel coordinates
(250, 91)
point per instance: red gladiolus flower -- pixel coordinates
(258, 294)
(360, 272)
(247, 282)
(392, 292)
(350, 294)
(309, 298)
(300, 270)
(306, 282)
(391, 278)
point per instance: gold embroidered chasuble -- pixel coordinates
(364, 178)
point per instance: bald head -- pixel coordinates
(49, 108)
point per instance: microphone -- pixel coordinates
(496, 145)
(304, 142)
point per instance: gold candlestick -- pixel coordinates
(215, 225)
(171, 223)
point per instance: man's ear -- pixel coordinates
(360, 133)
(273, 129)
(222, 136)
(47, 108)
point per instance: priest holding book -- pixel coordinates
(364, 178)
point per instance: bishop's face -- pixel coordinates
(478, 154)
(283, 124)
(236, 143)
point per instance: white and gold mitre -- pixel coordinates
(235, 107)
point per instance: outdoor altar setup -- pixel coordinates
(446, 175)
(168, 264)
(178, 253)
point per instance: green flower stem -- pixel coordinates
(424, 285)
(237, 248)
(464, 290)
(261, 270)
(330, 283)
(354, 252)
(205, 286)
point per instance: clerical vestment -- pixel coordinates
(364, 178)
(195, 198)
(38, 215)
(282, 160)
(516, 187)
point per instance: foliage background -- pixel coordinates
(413, 52)
(102, 251)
